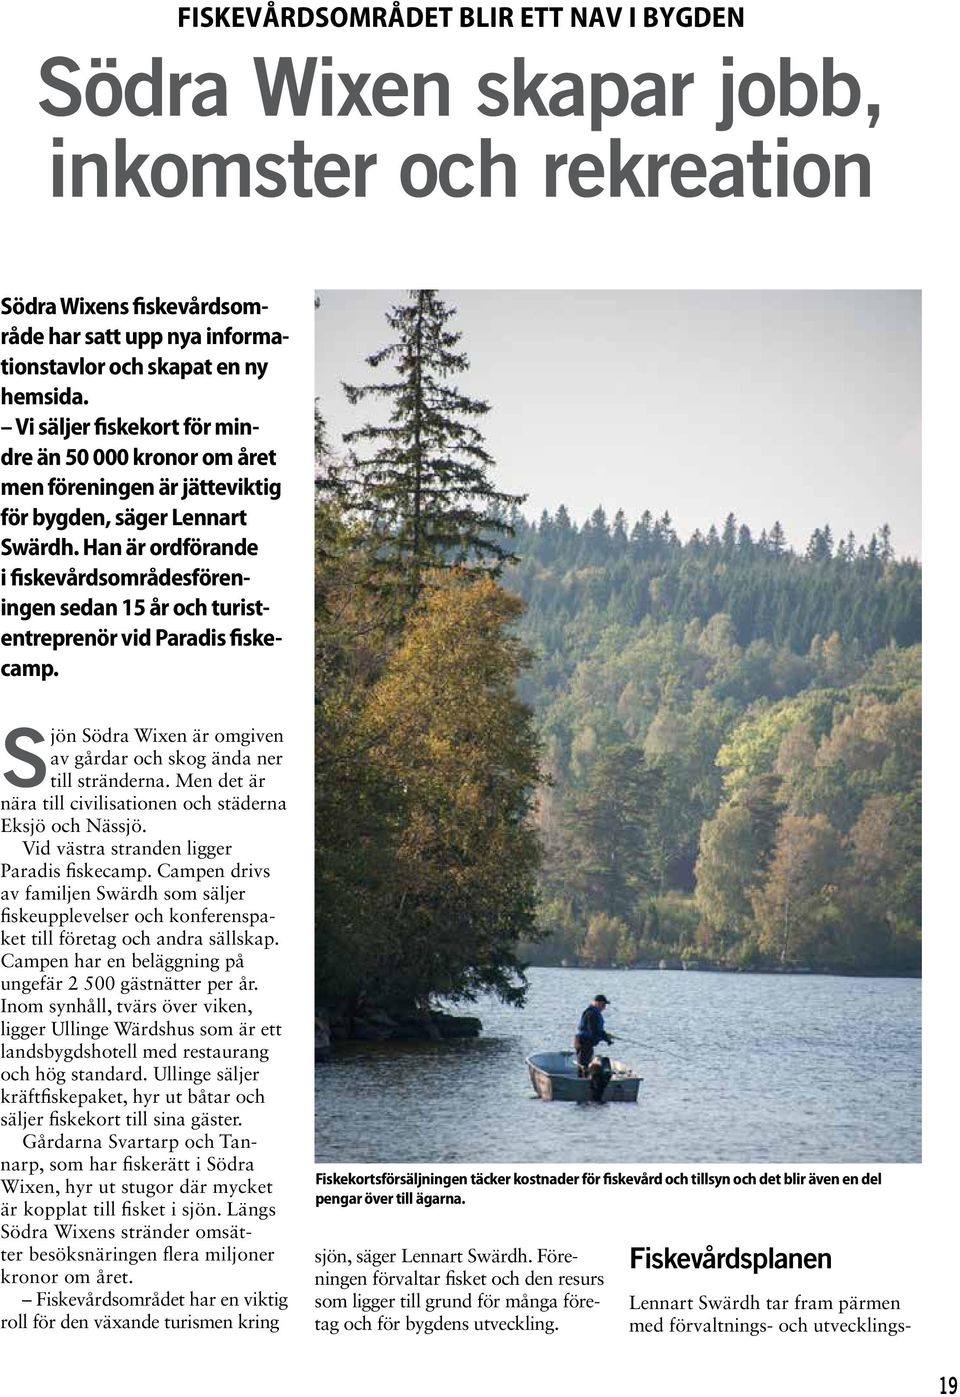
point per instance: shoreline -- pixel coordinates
(702, 967)
(378, 1026)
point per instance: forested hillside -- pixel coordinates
(588, 744)
(732, 732)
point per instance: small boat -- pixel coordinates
(555, 1077)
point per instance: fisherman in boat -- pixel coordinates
(590, 1032)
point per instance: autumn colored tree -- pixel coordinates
(798, 901)
(885, 849)
(353, 856)
(459, 755)
(727, 872)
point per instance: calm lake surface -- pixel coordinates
(735, 1067)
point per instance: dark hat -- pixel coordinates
(601, 996)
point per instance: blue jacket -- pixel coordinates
(591, 1029)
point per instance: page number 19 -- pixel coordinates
(948, 1386)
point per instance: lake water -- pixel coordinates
(753, 1068)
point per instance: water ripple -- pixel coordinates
(754, 1068)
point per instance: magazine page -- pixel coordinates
(460, 846)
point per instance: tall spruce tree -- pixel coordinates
(423, 475)
(607, 832)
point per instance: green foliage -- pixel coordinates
(421, 478)
(769, 594)
(729, 729)
(777, 707)
(754, 746)
(602, 943)
(607, 831)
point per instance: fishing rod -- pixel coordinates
(635, 1043)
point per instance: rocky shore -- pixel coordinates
(378, 1026)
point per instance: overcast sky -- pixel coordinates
(793, 405)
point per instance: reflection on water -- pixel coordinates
(735, 1067)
